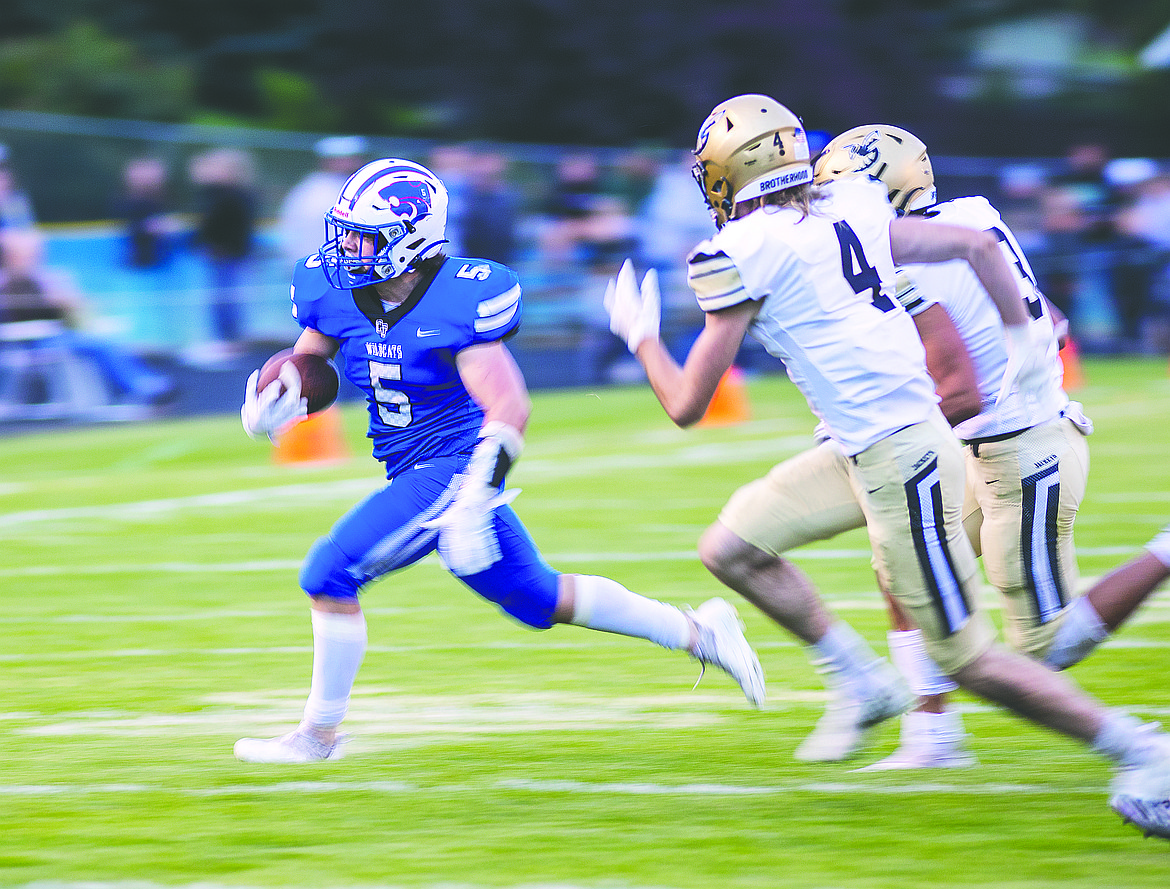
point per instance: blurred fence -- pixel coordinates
(72, 169)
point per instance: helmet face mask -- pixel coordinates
(747, 147)
(390, 214)
(887, 154)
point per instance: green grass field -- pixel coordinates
(152, 617)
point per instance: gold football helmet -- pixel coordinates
(891, 155)
(749, 146)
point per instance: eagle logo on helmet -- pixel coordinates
(865, 152)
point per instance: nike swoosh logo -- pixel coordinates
(875, 490)
(423, 465)
(423, 332)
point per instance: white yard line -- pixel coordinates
(290, 565)
(861, 786)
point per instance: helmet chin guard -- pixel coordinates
(398, 210)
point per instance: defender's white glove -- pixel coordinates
(467, 538)
(634, 314)
(1027, 365)
(270, 411)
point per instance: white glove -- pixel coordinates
(634, 315)
(1027, 365)
(270, 411)
(467, 537)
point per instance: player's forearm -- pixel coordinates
(918, 240)
(670, 385)
(989, 265)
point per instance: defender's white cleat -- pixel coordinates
(929, 741)
(1141, 787)
(723, 644)
(841, 730)
(298, 746)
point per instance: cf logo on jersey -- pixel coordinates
(381, 328)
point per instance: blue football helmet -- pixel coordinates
(401, 206)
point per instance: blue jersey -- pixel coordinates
(404, 359)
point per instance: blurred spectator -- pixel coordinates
(632, 177)
(490, 211)
(225, 231)
(15, 208)
(587, 223)
(1134, 262)
(452, 164)
(1147, 220)
(575, 192)
(1082, 243)
(142, 207)
(32, 291)
(1084, 180)
(595, 231)
(671, 221)
(301, 219)
(1022, 188)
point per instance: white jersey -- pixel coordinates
(825, 282)
(956, 288)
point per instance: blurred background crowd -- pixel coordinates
(155, 189)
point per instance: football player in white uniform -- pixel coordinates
(1027, 458)
(809, 272)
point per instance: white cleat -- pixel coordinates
(1141, 788)
(923, 757)
(298, 746)
(722, 643)
(842, 728)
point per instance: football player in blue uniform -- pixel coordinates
(422, 335)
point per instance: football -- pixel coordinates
(319, 379)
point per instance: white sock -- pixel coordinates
(339, 644)
(922, 674)
(604, 604)
(1160, 546)
(849, 656)
(1081, 630)
(1121, 739)
(922, 729)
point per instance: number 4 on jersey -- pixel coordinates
(856, 268)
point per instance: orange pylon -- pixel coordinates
(316, 439)
(1070, 359)
(729, 405)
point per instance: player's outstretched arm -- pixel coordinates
(683, 391)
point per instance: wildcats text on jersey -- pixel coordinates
(384, 350)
